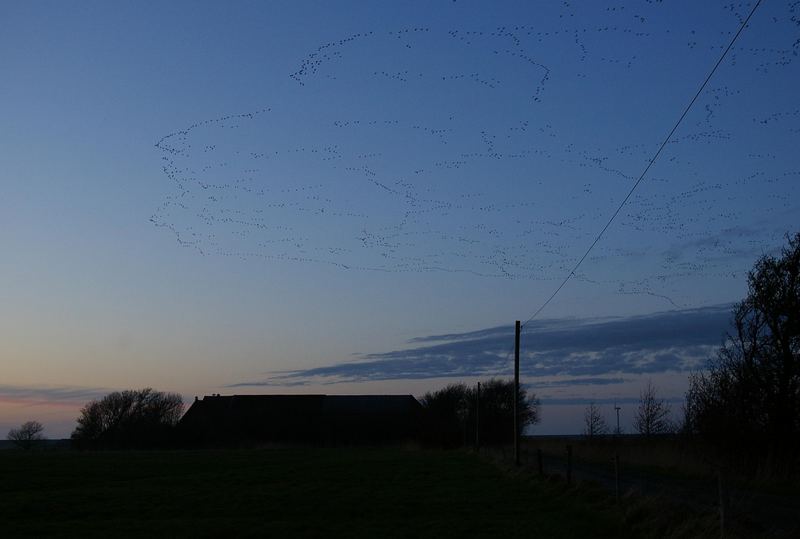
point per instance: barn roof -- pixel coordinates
(304, 418)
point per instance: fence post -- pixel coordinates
(539, 460)
(723, 501)
(569, 464)
(616, 477)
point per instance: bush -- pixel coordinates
(129, 419)
(452, 413)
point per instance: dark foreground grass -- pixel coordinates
(283, 493)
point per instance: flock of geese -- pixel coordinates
(465, 154)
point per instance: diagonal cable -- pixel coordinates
(649, 164)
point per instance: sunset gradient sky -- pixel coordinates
(362, 197)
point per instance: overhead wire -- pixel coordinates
(647, 168)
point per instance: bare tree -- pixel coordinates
(27, 434)
(594, 422)
(133, 418)
(653, 415)
(748, 397)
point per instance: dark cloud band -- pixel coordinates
(673, 341)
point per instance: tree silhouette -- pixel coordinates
(594, 422)
(132, 418)
(653, 415)
(445, 414)
(749, 395)
(450, 413)
(27, 434)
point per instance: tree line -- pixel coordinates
(745, 404)
(129, 419)
(747, 399)
(140, 418)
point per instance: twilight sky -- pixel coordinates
(361, 197)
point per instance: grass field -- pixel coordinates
(284, 493)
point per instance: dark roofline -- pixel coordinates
(310, 418)
(315, 395)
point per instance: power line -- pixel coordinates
(647, 168)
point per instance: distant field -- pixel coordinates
(283, 493)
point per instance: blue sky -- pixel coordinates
(205, 197)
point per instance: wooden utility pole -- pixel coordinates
(516, 395)
(478, 418)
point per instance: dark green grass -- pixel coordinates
(283, 493)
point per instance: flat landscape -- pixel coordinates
(283, 493)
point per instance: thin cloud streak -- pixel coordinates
(271, 383)
(583, 401)
(51, 395)
(571, 382)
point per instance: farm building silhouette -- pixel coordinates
(305, 419)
